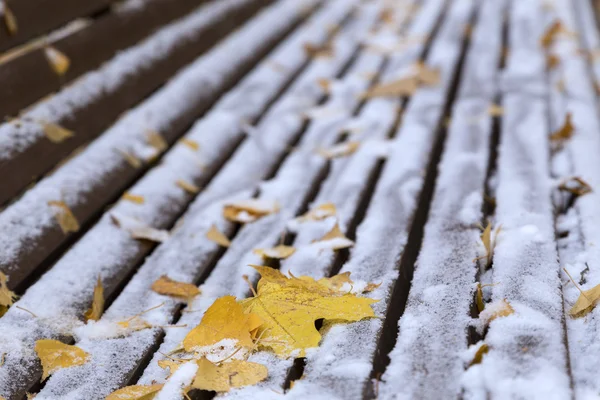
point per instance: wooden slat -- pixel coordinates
(92, 103)
(29, 77)
(88, 188)
(119, 253)
(35, 17)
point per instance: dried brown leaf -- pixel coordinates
(187, 186)
(64, 216)
(576, 186)
(565, 132)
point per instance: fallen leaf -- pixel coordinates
(324, 84)
(550, 34)
(319, 213)
(215, 235)
(170, 364)
(227, 375)
(565, 132)
(7, 297)
(340, 150)
(576, 186)
(314, 51)
(277, 252)
(135, 392)
(586, 302)
(97, 308)
(55, 133)
(495, 110)
(479, 297)
(334, 240)
(55, 355)
(139, 230)
(398, 88)
(426, 75)
(249, 210)
(187, 186)
(59, 62)
(192, 144)
(155, 140)
(10, 21)
(133, 198)
(130, 158)
(289, 308)
(64, 216)
(336, 282)
(489, 242)
(169, 287)
(552, 61)
(497, 309)
(481, 351)
(224, 319)
(371, 286)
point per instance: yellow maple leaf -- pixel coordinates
(277, 252)
(169, 287)
(58, 61)
(215, 235)
(55, 355)
(586, 302)
(224, 319)
(135, 392)
(64, 216)
(97, 308)
(7, 297)
(564, 132)
(273, 279)
(289, 308)
(227, 375)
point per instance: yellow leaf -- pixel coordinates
(215, 235)
(249, 210)
(398, 88)
(550, 34)
(224, 319)
(552, 61)
(334, 240)
(273, 279)
(319, 213)
(340, 150)
(192, 144)
(479, 298)
(155, 140)
(55, 355)
(371, 286)
(315, 51)
(56, 133)
(227, 375)
(187, 186)
(575, 186)
(64, 217)
(10, 21)
(336, 282)
(130, 158)
(171, 364)
(169, 287)
(97, 308)
(489, 243)
(7, 297)
(59, 62)
(586, 302)
(289, 309)
(138, 230)
(497, 309)
(481, 351)
(495, 110)
(426, 75)
(277, 252)
(133, 198)
(135, 392)
(565, 132)
(134, 324)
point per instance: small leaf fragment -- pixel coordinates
(586, 302)
(427, 75)
(576, 186)
(278, 252)
(170, 364)
(55, 355)
(10, 21)
(97, 307)
(224, 319)
(169, 287)
(58, 61)
(334, 240)
(7, 297)
(130, 158)
(56, 133)
(481, 351)
(187, 186)
(133, 198)
(398, 88)
(215, 235)
(138, 230)
(64, 216)
(318, 213)
(192, 144)
(479, 297)
(315, 51)
(497, 309)
(340, 150)
(552, 61)
(155, 140)
(565, 132)
(550, 34)
(135, 392)
(495, 110)
(227, 375)
(250, 210)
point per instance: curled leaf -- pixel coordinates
(249, 210)
(334, 240)
(138, 230)
(58, 61)
(565, 132)
(64, 216)
(55, 355)
(481, 351)
(479, 297)
(576, 186)
(586, 302)
(215, 235)
(489, 242)
(97, 307)
(277, 252)
(133, 198)
(227, 375)
(135, 392)
(169, 287)
(318, 213)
